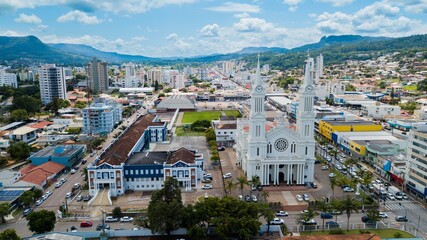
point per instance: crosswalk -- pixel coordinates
(403, 206)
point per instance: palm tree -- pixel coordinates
(254, 181)
(229, 186)
(366, 178)
(265, 195)
(333, 183)
(323, 206)
(336, 205)
(333, 152)
(348, 206)
(242, 182)
(268, 215)
(306, 216)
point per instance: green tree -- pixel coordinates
(229, 186)
(336, 205)
(117, 212)
(165, 210)
(41, 221)
(80, 104)
(374, 215)
(265, 195)
(306, 216)
(382, 85)
(30, 104)
(19, 150)
(422, 85)
(4, 211)
(268, 214)
(27, 198)
(350, 88)
(200, 125)
(333, 183)
(348, 206)
(210, 135)
(161, 94)
(9, 234)
(56, 104)
(19, 115)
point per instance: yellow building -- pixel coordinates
(327, 127)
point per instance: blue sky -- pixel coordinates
(165, 28)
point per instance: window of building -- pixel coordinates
(151, 171)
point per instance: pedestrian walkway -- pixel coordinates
(396, 206)
(102, 198)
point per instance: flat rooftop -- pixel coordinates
(58, 151)
(345, 123)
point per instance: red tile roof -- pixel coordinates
(39, 174)
(41, 124)
(182, 154)
(118, 152)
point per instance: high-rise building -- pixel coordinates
(101, 116)
(8, 79)
(97, 72)
(154, 75)
(52, 83)
(416, 174)
(319, 67)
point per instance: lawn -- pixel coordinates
(383, 233)
(180, 132)
(410, 88)
(234, 113)
(190, 117)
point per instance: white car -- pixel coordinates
(277, 221)
(306, 198)
(383, 215)
(304, 211)
(39, 202)
(299, 198)
(48, 193)
(207, 186)
(390, 196)
(227, 175)
(254, 199)
(331, 175)
(73, 171)
(281, 214)
(328, 158)
(58, 184)
(326, 167)
(64, 179)
(111, 219)
(348, 189)
(126, 219)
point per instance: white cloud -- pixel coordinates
(78, 16)
(172, 36)
(338, 3)
(122, 6)
(31, 19)
(210, 30)
(236, 7)
(293, 8)
(253, 25)
(241, 15)
(39, 28)
(411, 6)
(292, 2)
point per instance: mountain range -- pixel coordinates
(30, 49)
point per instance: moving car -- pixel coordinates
(299, 198)
(207, 186)
(281, 214)
(86, 224)
(99, 227)
(277, 221)
(401, 219)
(390, 196)
(126, 219)
(111, 219)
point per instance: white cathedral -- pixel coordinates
(277, 152)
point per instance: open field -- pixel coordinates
(234, 113)
(180, 132)
(190, 117)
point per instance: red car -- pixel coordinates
(86, 224)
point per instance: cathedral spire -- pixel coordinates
(258, 79)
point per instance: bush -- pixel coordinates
(397, 235)
(3, 161)
(364, 232)
(117, 212)
(336, 232)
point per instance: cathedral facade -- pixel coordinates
(278, 152)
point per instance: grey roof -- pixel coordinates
(12, 125)
(175, 102)
(58, 151)
(147, 158)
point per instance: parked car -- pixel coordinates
(308, 185)
(367, 220)
(247, 198)
(206, 180)
(73, 171)
(126, 219)
(221, 148)
(39, 202)
(331, 175)
(326, 215)
(401, 219)
(208, 176)
(86, 224)
(299, 198)
(281, 214)
(306, 197)
(259, 187)
(48, 193)
(398, 195)
(58, 184)
(87, 198)
(27, 212)
(64, 179)
(313, 185)
(207, 186)
(79, 198)
(325, 167)
(76, 186)
(383, 215)
(254, 198)
(309, 222)
(332, 224)
(99, 227)
(111, 219)
(84, 161)
(348, 189)
(277, 221)
(390, 196)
